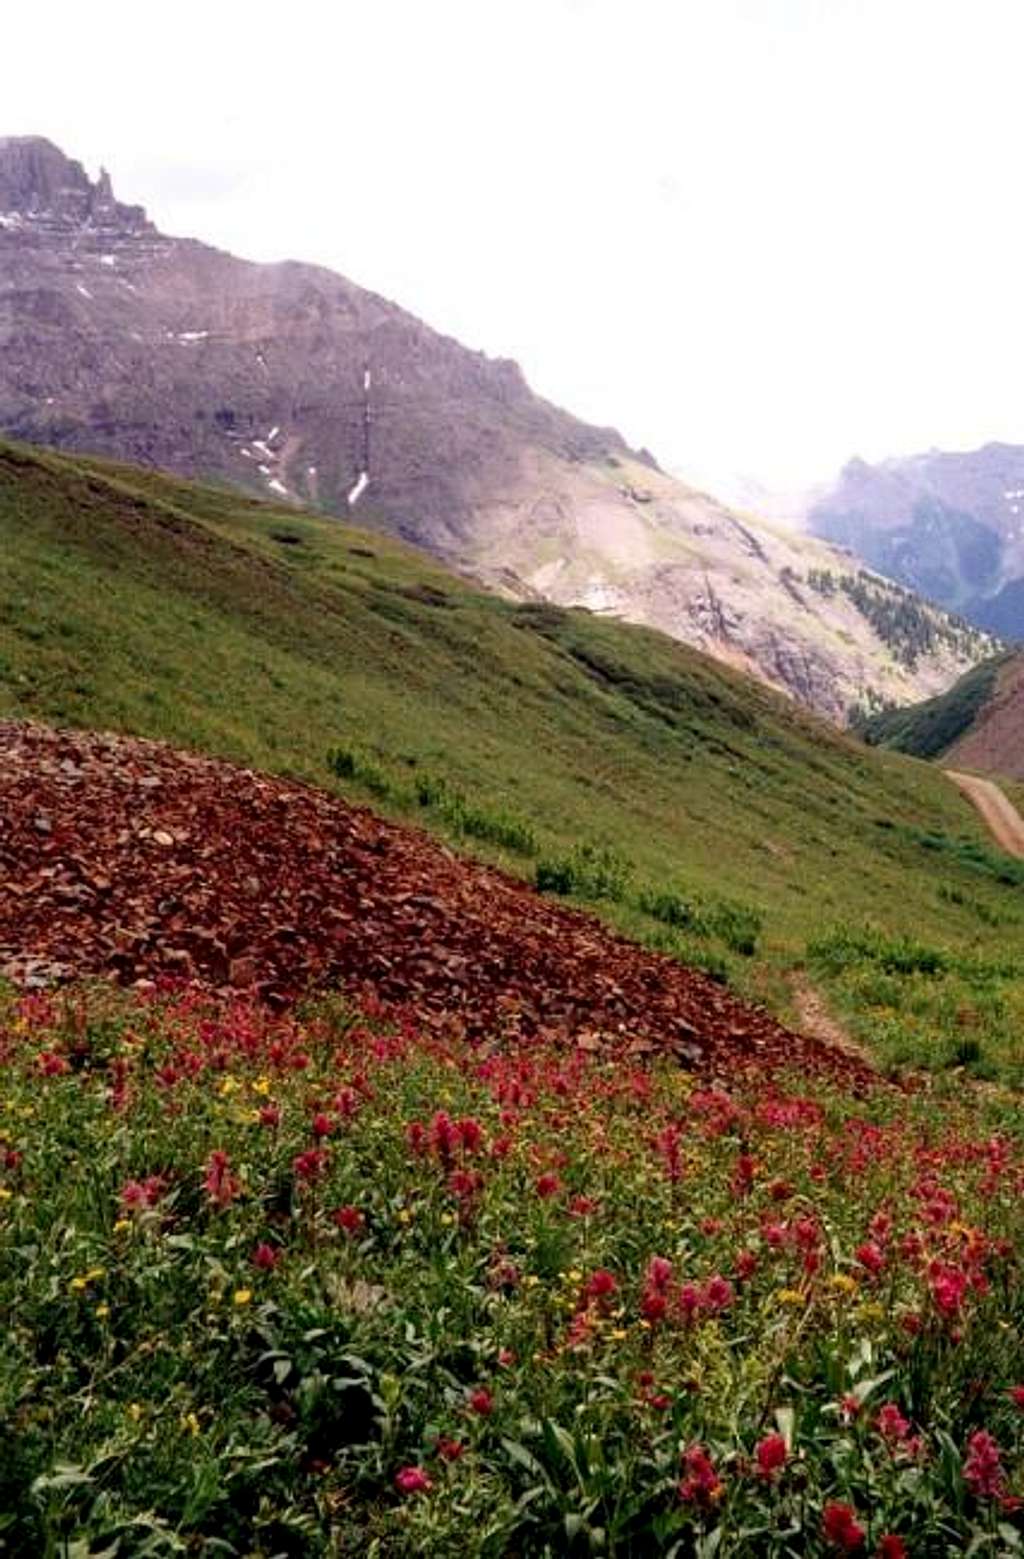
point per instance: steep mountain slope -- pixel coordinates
(948, 524)
(137, 602)
(978, 724)
(117, 339)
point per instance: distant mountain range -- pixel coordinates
(288, 381)
(950, 525)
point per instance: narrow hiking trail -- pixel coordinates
(999, 815)
(816, 1019)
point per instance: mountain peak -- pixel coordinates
(40, 184)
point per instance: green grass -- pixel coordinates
(311, 1287)
(534, 736)
(928, 729)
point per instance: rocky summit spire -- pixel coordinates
(38, 183)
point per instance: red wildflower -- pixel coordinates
(582, 1206)
(871, 1257)
(771, 1455)
(265, 1256)
(322, 1125)
(51, 1064)
(891, 1424)
(444, 1137)
(841, 1528)
(309, 1165)
(891, 1547)
(599, 1285)
(470, 1134)
(1016, 1396)
(450, 1450)
(481, 1402)
(653, 1305)
(659, 1273)
(580, 1328)
(348, 1218)
(701, 1484)
(690, 1302)
(666, 1143)
(413, 1480)
(881, 1228)
(222, 1186)
(465, 1183)
(142, 1193)
(948, 1287)
(983, 1471)
(743, 1175)
(746, 1265)
(346, 1102)
(547, 1185)
(718, 1293)
(270, 1115)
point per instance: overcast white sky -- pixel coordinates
(757, 235)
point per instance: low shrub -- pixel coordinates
(589, 872)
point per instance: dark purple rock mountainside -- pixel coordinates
(288, 381)
(119, 340)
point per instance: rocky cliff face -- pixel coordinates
(40, 188)
(289, 381)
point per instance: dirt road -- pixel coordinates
(999, 815)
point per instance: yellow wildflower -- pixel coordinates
(134, 1411)
(843, 1283)
(5, 1193)
(446, 1219)
(122, 1225)
(405, 1216)
(261, 1085)
(102, 1311)
(190, 1422)
(791, 1296)
(242, 1296)
(78, 1285)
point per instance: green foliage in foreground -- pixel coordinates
(542, 739)
(331, 1287)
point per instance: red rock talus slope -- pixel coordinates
(128, 858)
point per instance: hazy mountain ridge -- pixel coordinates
(119, 340)
(949, 524)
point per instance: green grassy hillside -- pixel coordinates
(928, 729)
(696, 808)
